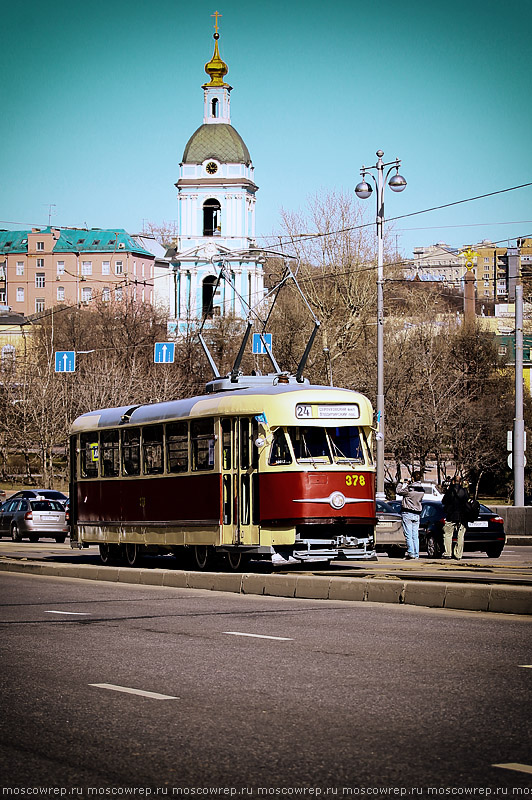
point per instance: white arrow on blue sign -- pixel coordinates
(258, 345)
(164, 352)
(65, 360)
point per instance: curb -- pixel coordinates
(515, 539)
(434, 594)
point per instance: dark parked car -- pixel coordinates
(41, 494)
(486, 533)
(389, 537)
(33, 519)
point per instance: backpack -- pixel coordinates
(472, 510)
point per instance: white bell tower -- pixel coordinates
(216, 213)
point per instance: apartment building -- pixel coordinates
(43, 268)
(495, 268)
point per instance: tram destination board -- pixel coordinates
(330, 411)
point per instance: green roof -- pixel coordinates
(14, 241)
(73, 240)
(218, 141)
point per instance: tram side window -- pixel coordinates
(152, 450)
(346, 443)
(131, 451)
(244, 443)
(226, 443)
(177, 446)
(109, 442)
(89, 455)
(202, 443)
(310, 443)
(280, 452)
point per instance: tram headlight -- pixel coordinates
(337, 500)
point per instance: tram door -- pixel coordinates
(239, 481)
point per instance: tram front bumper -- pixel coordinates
(325, 550)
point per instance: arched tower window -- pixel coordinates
(214, 107)
(212, 218)
(208, 296)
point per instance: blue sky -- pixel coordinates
(99, 100)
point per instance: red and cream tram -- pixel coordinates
(266, 467)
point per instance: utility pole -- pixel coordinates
(518, 455)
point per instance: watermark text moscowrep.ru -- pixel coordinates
(266, 791)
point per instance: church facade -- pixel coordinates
(216, 195)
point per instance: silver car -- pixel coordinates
(389, 536)
(21, 517)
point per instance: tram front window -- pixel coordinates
(310, 444)
(346, 443)
(340, 445)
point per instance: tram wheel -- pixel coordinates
(110, 553)
(134, 554)
(236, 561)
(202, 556)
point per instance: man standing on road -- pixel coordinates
(412, 494)
(455, 502)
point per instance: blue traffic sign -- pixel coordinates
(164, 352)
(258, 345)
(65, 360)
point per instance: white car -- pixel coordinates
(431, 492)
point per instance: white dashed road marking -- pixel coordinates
(128, 690)
(259, 636)
(515, 767)
(525, 666)
(70, 613)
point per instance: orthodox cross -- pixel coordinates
(216, 14)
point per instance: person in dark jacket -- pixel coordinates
(455, 502)
(412, 495)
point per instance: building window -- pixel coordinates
(119, 268)
(20, 294)
(20, 268)
(40, 280)
(106, 294)
(212, 218)
(208, 296)
(214, 107)
(40, 263)
(7, 356)
(106, 267)
(86, 294)
(118, 293)
(39, 304)
(40, 246)
(60, 293)
(60, 267)
(2, 296)
(86, 267)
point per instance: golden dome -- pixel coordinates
(216, 68)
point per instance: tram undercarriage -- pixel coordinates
(310, 544)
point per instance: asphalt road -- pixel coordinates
(258, 693)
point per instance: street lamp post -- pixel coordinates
(363, 190)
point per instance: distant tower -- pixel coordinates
(216, 213)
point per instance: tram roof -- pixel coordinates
(277, 402)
